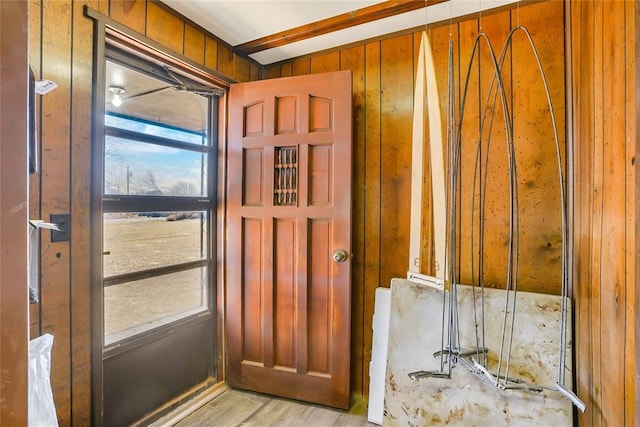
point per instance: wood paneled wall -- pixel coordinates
(604, 37)
(61, 49)
(383, 84)
(14, 84)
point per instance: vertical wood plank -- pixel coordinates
(164, 27)
(325, 63)
(254, 72)
(271, 72)
(494, 157)
(540, 261)
(580, 249)
(468, 79)
(81, 74)
(372, 177)
(396, 71)
(211, 53)
(55, 275)
(603, 59)
(581, 22)
(353, 59)
(631, 137)
(132, 13)
(285, 69)
(596, 209)
(194, 44)
(613, 218)
(226, 59)
(242, 69)
(300, 67)
(103, 7)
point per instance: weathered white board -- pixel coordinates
(465, 400)
(378, 366)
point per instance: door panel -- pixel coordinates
(289, 205)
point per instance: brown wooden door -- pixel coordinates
(289, 211)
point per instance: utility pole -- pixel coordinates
(128, 176)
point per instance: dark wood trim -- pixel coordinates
(14, 327)
(129, 39)
(97, 165)
(431, 26)
(335, 23)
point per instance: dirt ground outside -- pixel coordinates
(136, 243)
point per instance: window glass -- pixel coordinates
(138, 306)
(145, 240)
(156, 225)
(149, 128)
(139, 168)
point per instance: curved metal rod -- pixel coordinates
(509, 134)
(564, 284)
(455, 168)
(513, 182)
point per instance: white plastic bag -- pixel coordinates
(42, 410)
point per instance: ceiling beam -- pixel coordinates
(335, 23)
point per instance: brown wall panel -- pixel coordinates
(242, 69)
(300, 67)
(61, 49)
(285, 69)
(383, 106)
(254, 71)
(80, 289)
(14, 84)
(603, 63)
(211, 53)
(271, 72)
(132, 13)
(371, 216)
(396, 114)
(353, 59)
(632, 188)
(55, 257)
(535, 148)
(164, 27)
(613, 223)
(226, 63)
(604, 221)
(325, 63)
(194, 44)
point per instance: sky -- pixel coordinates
(167, 165)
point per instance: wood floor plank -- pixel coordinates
(240, 408)
(231, 408)
(287, 413)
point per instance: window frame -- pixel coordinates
(117, 203)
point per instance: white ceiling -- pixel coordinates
(241, 21)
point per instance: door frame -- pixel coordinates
(105, 29)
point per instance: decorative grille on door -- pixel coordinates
(285, 187)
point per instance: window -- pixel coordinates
(157, 204)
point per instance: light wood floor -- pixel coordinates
(242, 408)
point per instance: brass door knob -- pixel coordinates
(340, 255)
